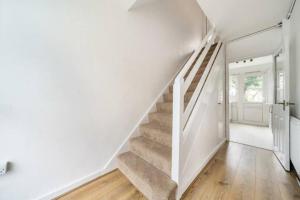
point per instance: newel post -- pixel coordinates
(178, 108)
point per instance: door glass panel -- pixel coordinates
(280, 78)
(253, 89)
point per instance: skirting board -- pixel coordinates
(111, 164)
(73, 185)
(201, 167)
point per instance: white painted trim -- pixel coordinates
(176, 130)
(194, 111)
(249, 123)
(187, 65)
(203, 164)
(227, 118)
(179, 89)
(60, 191)
(189, 108)
(111, 164)
(198, 64)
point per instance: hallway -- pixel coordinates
(257, 136)
(236, 172)
(243, 172)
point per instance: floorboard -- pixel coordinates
(236, 172)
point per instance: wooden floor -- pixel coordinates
(236, 172)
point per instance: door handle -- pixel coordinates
(284, 104)
(290, 104)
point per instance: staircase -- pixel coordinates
(147, 164)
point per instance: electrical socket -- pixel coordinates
(3, 168)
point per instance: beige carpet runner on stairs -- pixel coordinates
(148, 163)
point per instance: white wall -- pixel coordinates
(76, 77)
(206, 131)
(295, 60)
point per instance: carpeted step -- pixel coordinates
(153, 183)
(157, 133)
(169, 96)
(190, 89)
(162, 118)
(199, 72)
(198, 75)
(154, 153)
(164, 107)
(167, 106)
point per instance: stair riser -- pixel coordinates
(199, 73)
(152, 158)
(157, 136)
(190, 89)
(165, 107)
(197, 79)
(163, 121)
(169, 97)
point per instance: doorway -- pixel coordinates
(251, 95)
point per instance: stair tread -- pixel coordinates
(188, 93)
(160, 150)
(153, 183)
(153, 125)
(164, 114)
(170, 103)
(162, 118)
(161, 114)
(157, 133)
(153, 152)
(192, 85)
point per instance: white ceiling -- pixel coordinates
(254, 68)
(258, 64)
(251, 62)
(234, 18)
(262, 44)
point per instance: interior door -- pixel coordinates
(281, 108)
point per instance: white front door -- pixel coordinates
(281, 108)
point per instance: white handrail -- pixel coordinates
(199, 86)
(194, 56)
(192, 74)
(181, 85)
(178, 106)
